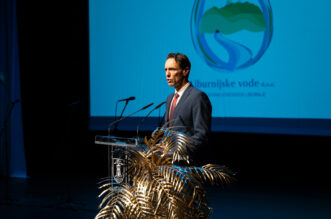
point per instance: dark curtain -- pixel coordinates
(12, 155)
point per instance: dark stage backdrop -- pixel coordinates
(54, 72)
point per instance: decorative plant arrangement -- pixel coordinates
(157, 187)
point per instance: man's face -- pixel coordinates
(174, 74)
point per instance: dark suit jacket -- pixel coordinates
(192, 115)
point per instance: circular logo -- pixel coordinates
(233, 35)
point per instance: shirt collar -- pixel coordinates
(181, 91)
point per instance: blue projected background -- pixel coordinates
(264, 64)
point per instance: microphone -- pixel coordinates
(126, 103)
(127, 99)
(158, 106)
(117, 121)
(145, 107)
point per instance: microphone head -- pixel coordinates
(158, 106)
(145, 107)
(127, 99)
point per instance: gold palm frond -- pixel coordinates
(171, 143)
(159, 189)
(211, 173)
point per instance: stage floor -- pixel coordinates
(74, 197)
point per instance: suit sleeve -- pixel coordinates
(201, 111)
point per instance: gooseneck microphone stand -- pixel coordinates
(157, 107)
(116, 125)
(126, 103)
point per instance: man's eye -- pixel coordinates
(171, 69)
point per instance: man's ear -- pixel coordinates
(186, 71)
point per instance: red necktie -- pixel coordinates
(174, 102)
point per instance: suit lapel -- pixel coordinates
(182, 100)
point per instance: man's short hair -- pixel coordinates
(181, 59)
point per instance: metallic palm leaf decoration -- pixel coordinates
(158, 188)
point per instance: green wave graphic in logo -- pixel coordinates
(232, 18)
(222, 23)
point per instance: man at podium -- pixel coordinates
(188, 109)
